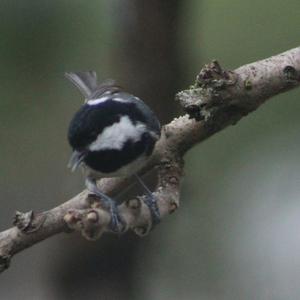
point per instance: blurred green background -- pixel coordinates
(236, 234)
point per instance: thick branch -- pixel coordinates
(218, 98)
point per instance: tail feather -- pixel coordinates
(85, 81)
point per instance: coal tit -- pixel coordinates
(112, 134)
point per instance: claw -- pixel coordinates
(151, 202)
(117, 224)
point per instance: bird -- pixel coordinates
(113, 134)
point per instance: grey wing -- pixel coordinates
(153, 121)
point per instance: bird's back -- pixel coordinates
(113, 127)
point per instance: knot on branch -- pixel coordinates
(213, 76)
(28, 222)
(91, 221)
(291, 75)
(4, 262)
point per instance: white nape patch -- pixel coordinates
(103, 99)
(116, 135)
(97, 101)
(120, 99)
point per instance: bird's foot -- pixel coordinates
(151, 202)
(117, 223)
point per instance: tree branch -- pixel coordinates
(218, 98)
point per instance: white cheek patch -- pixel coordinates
(116, 135)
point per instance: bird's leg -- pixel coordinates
(150, 201)
(116, 224)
